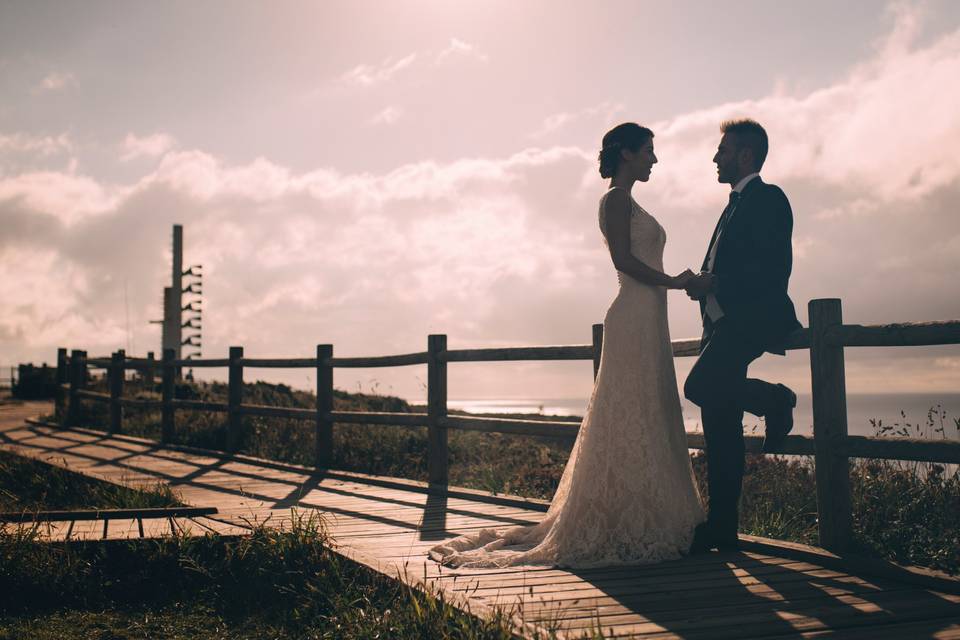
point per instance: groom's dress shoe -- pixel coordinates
(780, 420)
(702, 539)
(706, 538)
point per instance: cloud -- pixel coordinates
(56, 81)
(387, 116)
(502, 250)
(150, 146)
(40, 145)
(370, 75)
(66, 197)
(457, 48)
(602, 113)
(366, 75)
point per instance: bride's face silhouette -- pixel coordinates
(641, 161)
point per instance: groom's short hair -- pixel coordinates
(750, 135)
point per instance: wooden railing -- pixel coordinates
(831, 445)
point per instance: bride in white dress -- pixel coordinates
(627, 494)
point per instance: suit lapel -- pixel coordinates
(713, 239)
(745, 194)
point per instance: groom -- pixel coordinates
(742, 290)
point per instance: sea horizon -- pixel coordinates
(897, 410)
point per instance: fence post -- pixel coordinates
(438, 459)
(149, 372)
(830, 427)
(597, 348)
(168, 374)
(78, 366)
(115, 375)
(63, 376)
(323, 439)
(234, 399)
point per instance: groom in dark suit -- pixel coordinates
(742, 290)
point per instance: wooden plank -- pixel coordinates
(105, 514)
(51, 531)
(896, 335)
(944, 451)
(567, 352)
(142, 403)
(93, 395)
(564, 430)
(295, 413)
(221, 528)
(828, 379)
(380, 417)
(323, 422)
(167, 388)
(87, 530)
(125, 529)
(637, 584)
(115, 380)
(280, 363)
(202, 362)
(876, 567)
(438, 455)
(670, 571)
(837, 613)
(156, 528)
(941, 629)
(200, 405)
(797, 608)
(760, 596)
(401, 360)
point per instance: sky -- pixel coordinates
(367, 173)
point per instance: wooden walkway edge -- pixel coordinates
(769, 589)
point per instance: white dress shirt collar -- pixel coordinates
(743, 181)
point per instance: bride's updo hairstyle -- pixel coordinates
(628, 135)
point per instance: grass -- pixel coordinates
(272, 584)
(31, 485)
(285, 583)
(902, 511)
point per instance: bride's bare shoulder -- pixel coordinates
(616, 200)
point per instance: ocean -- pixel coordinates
(898, 410)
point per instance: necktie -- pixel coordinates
(728, 211)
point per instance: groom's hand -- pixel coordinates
(699, 286)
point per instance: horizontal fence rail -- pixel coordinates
(107, 514)
(827, 336)
(922, 334)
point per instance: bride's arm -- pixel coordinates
(618, 239)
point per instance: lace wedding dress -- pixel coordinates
(627, 494)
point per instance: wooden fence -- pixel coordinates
(831, 445)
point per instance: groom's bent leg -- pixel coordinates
(718, 379)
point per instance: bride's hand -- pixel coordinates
(680, 281)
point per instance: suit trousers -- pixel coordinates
(718, 384)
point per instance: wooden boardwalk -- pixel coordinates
(767, 590)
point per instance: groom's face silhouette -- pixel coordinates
(733, 162)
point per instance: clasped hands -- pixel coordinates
(697, 285)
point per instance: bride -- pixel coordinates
(627, 494)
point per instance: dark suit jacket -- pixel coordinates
(752, 266)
